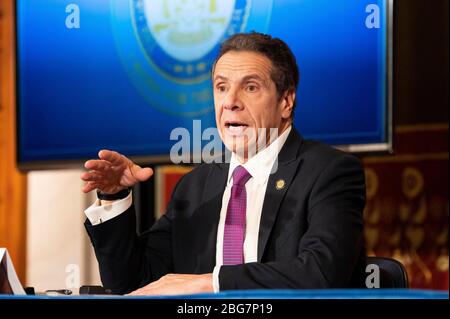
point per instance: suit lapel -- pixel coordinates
(207, 227)
(277, 187)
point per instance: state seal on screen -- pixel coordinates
(167, 47)
(181, 37)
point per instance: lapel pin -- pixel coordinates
(280, 184)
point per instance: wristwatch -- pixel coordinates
(119, 195)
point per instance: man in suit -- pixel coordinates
(288, 216)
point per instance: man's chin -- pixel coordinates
(241, 147)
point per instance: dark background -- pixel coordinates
(421, 62)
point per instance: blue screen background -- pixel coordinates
(75, 96)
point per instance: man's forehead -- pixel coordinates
(242, 64)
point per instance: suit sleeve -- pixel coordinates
(329, 249)
(128, 261)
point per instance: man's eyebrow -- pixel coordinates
(252, 77)
(255, 77)
(246, 78)
(219, 77)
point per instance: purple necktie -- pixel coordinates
(234, 232)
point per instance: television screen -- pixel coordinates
(123, 74)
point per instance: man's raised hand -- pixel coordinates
(113, 172)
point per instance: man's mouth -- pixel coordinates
(235, 127)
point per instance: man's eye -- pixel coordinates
(252, 88)
(221, 88)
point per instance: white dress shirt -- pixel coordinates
(259, 167)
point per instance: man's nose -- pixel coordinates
(232, 101)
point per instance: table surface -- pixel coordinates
(274, 294)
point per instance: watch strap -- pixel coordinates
(116, 196)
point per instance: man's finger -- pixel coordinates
(146, 289)
(89, 186)
(145, 292)
(99, 165)
(141, 174)
(138, 292)
(92, 176)
(111, 156)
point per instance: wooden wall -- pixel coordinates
(13, 184)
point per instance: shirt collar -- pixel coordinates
(260, 165)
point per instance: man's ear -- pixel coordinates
(287, 103)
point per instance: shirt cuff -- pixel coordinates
(215, 278)
(98, 213)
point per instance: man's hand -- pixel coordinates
(113, 172)
(177, 284)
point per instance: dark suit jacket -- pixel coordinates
(310, 236)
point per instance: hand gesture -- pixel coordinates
(113, 172)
